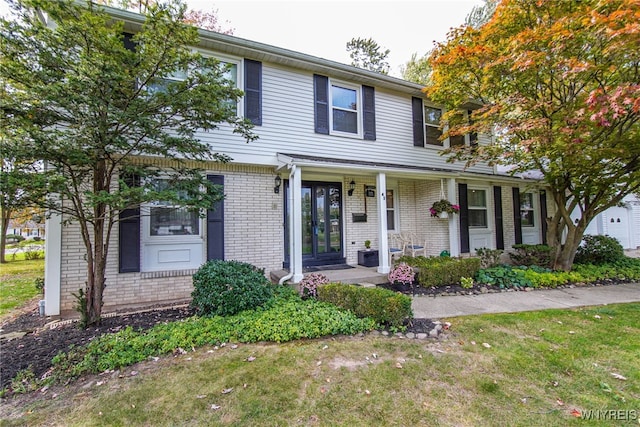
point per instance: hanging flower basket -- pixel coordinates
(442, 208)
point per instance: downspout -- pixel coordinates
(291, 239)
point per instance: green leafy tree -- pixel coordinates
(559, 88)
(417, 70)
(480, 15)
(367, 54)
(99, 107)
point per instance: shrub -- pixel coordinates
(39, 284)
(466, 282)
(32, 253)
(14, 238)
(489, 257)
(524, 254)
(402, 273)
(382, 305)
(225, 288)
(309, 285)
(599, 250)
(441, 271)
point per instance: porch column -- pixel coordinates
(295, 179)
(454, 225)
(52, 264)
(383, 251)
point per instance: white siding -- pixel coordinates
(288, 127)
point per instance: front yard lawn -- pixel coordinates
(546, 368)
(17, 282)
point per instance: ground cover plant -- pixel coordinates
(284, 318)
(506, 276)
(547, 368)
(18, 278)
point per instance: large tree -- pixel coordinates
(368, 54)
(559, 85)
(98, 106)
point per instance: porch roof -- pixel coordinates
(360, 167)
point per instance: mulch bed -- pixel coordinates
(39, 345)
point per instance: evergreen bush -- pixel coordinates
(599, 250)
(225, 288)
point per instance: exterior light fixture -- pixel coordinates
(278, 181)
(352, 186)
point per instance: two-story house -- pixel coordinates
(344, 155)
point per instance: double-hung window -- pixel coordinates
(391, 210)
(526, 210)
(345, 109)
(230, 68)
(432, 130)
(477, 202)
(172, 236)
(166, 219)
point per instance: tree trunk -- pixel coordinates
(97, 266)
(6, 215)
(565, 239)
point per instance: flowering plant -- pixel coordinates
(443, 205)
(402, 273)
(309, 285)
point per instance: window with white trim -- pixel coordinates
(166, 219)
(391, 210)
(527, 211)
(345, 114)
(172, 236)
(231, 67)
(432, 131)
(477, 205)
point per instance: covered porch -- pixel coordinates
(377, 202)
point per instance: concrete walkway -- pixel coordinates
(509, 302)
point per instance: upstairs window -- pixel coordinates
(432, 130)
(345, 109)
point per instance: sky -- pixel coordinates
(323, 28)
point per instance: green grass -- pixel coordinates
(537, 368)
(17, 278)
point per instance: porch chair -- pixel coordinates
(396, 246)
(414, 245)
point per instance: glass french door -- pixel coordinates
(321, 223)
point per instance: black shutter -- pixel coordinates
(497, 201)
(543, 215)
(517, 220)
(418, 121)
(464, 218)
(129, 44)
(253, 91)
(369, 112)
(215, 224)
(321, 105)
(129, 235)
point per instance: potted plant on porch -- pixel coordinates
(442, 208)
